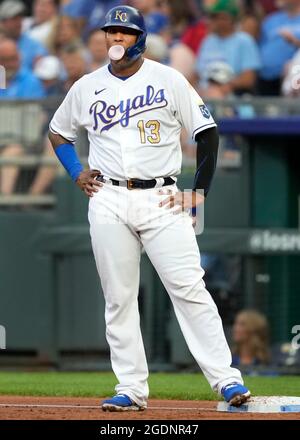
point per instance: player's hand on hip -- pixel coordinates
(180, 200)
(87, 182)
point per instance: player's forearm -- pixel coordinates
(66, 154)
(207, 153)
(56, 139)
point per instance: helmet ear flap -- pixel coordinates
(138, 48)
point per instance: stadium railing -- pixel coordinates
(26, 123)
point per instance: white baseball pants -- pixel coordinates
(123, 221)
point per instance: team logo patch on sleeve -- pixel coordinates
(204, 110)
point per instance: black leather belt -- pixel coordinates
(137, 183)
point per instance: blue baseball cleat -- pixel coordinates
(120, 402)
(235, 394)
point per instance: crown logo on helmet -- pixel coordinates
(122, 16)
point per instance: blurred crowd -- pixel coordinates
(223, 47)
(252, 349)
(250, 337)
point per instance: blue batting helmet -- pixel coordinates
(128, 17)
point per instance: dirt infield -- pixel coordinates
(60, 408)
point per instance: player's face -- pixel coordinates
(121, 36)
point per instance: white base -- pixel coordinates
(264, 404)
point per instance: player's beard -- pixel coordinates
(125, 62)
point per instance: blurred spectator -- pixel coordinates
(250, 24)
(45, 174)
(182, 58)
(219, 76)
(48, 70)
(251, 7)
(67, 36)
(11, 17)
(250, 339)
(291, 79)
(157, 49)
(269, 6)
(156, 21)
(280, 33)
(41, 25)
(144, 6)
(96, 45)
(89, 14)
(20, 84)
(228, 45)
(194, 35)
(181, 15)
(251, 16)
(75, 65)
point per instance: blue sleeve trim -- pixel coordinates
(67, 155)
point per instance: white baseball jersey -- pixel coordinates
(133, 125)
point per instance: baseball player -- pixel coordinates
(133, 110)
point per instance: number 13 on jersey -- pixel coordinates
(149, 131)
